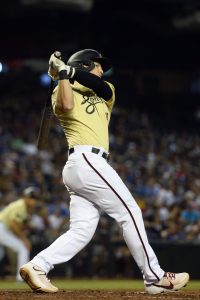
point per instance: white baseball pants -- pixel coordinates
(10, 240)
(96, 185)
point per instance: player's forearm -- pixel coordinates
(65, 100)
(98, 85)
(17, 230)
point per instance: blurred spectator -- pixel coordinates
(14, 220)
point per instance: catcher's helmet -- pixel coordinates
(32, 192)
(87, 57)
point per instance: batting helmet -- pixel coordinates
(85, 59)
(32, 192)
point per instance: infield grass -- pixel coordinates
(94, 284)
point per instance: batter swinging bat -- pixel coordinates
(46, 116)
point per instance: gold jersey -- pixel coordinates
(87, 123)
(15, 211)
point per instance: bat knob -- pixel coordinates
(57, 54)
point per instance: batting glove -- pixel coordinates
(58, 69)
(53, 73)
(56, 63)
(67, 72)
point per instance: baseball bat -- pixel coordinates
(46, 116)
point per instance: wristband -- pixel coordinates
(71, 72)
(63, 75)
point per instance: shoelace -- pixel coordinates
(170, 275)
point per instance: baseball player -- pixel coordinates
(83, 102)
(12, 222)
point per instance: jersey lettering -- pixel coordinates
(91, 103)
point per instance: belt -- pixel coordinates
(105, 155)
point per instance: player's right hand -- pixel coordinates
(53, 73)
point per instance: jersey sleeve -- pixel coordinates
(56, 110)
(111, 101)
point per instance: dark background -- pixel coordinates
(156, 33)
(154, 46)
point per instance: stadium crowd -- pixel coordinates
(161, 167)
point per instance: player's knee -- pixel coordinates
(83, 231)
(129, 215)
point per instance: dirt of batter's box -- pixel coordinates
(97, 295)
